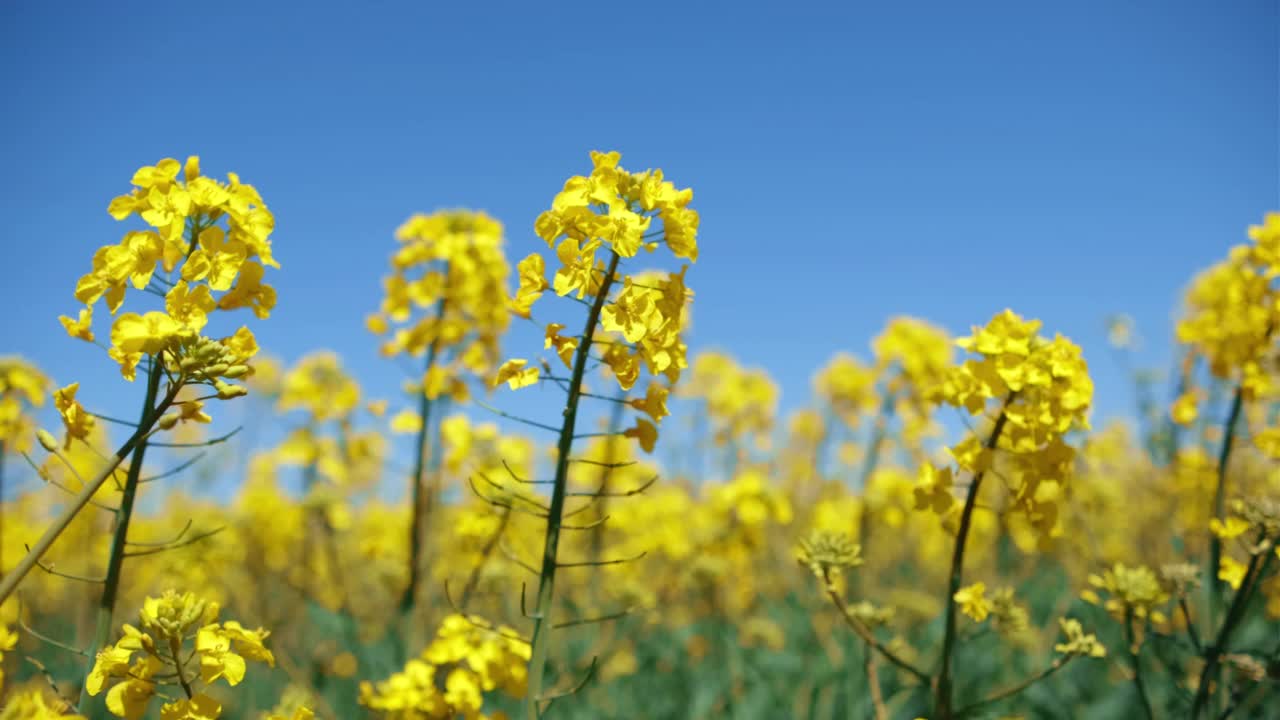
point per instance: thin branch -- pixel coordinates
(518, 479)
(591, 672)
(189, 541)
(597, 563)
(44, 476)
(45, 638)
(70, 576)
(610, 465)
(869, 638)
(176, 538)
(1191, 627)
(169, 473)
(602, 493)
(589, 526)
(508, 554)
(488, 628)
(206, 443)
(110, 419)
(1056, 665)
(597, 619)
(502, 413)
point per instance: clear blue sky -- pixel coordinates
(850, 161)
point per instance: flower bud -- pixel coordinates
(236, 371)
(46, 440)
(168, 420)
(227, 391)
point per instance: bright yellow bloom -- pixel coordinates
(645, 432)
(1185, 409)
(406, 421)
(1233, 528)
(515, 374)
(1232, 571)
(189, 306)
(82, 327)
(78, 422)
(1078, 643)
(973, 602)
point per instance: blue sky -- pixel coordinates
(851, 161)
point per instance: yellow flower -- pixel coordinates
(1078, 643)
(1231, 571)
(933, 489)
(515, 374)
(565, 346)
(199, 707)
(217, 659)
(250, 292)
(973, 602)
(217, 259)
(189, 306)
(78, 422)
(645, 432)
(145, 334)
(129, 699)
(1234, 527)
(1185, 409)
(654, 402)
(406, 421)
(82, 327)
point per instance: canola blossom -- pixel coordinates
(939, 529)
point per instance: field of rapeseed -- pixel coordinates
(864, 556)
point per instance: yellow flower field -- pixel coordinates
(940, 532)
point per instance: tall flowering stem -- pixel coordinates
(115, 561)
(637, 319)
(420, 497)
(1043, 391)
(551, 543)
(1219, 502)
(942, 699)
(451, 261)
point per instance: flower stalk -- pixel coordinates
(943, 690)
(547, 575)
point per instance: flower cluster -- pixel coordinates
(637, 319)
(1135, 591)
(740, 402)
(23, 388)
(467, 658)
(1078, 642)
(205, 237)
(156, 653)
(827, 554)
(1231, 311)
(447, 291)
(1040, 390)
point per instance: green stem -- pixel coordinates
(942, 693)
(868, 637)
(1219, 503)
(1054, 667)
(547, 577)
(420, 496)
(115, 561)
(1135, 657)
(175, 647)
(1213, 653)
